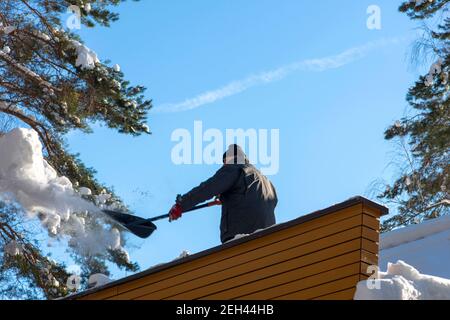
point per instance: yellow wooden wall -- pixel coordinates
(321, 258)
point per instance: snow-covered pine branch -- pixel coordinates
(16, 65)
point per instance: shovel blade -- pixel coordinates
(136, 225)
(142, 230)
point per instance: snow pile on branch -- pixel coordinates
(6, 29)
(87, 7)
(6, 50)
(27, 179)
(86, 58)
(420, 2)
(403, 282)
(84, 191)
(13, 248)
(436, 69)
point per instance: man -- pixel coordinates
(248, 198)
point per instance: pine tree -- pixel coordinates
(53, 83)
(422, 189)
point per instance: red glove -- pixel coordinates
(175, 212)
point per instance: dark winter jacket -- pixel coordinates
(248, 199)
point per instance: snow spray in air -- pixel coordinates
(27, 179)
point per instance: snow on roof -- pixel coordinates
(422, 267)
(414, 232)
(403, 282)
(425, 246)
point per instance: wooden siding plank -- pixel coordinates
(369, 246)
(330, 219)
(322, 289)
(371, 222)
(305, 243)
(305, 284)
(370, 234)
(346, 294)
(370, 210)
(369, 258)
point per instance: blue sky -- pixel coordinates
(331, 122)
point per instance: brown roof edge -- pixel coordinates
(314, 215)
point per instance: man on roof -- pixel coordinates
(248, 198)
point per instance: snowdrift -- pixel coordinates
(422, 270)
(403, 282)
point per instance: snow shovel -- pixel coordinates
(143, 228)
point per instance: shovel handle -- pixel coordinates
(215, 202)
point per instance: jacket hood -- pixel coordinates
(236, 153)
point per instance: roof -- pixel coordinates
(302, 219)
(425, 246)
